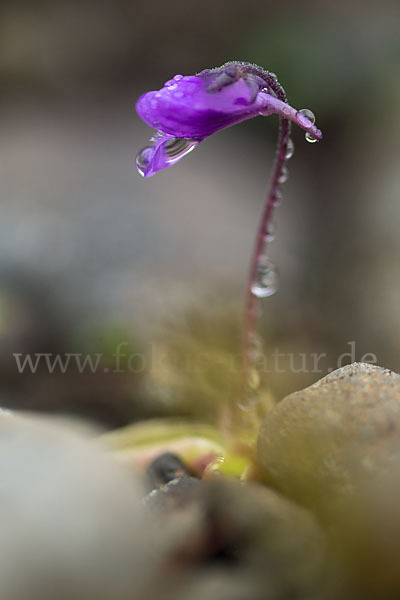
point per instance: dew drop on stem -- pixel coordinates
(277, 196)
(289, 149)
(284, 175)
(253, 379)
(266, 280)
(250, 401)
(270, 231)
(255, 347)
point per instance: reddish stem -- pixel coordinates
(260, 243)
(251, 301)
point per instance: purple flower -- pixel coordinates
(189, 109)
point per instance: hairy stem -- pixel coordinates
(251, 301)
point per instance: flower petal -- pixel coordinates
(189, 109)
(184, 107)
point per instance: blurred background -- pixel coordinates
(92, 256)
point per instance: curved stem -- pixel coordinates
(260, 243)
(251, 302)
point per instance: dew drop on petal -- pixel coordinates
(266, 280)
(178, 77)
(302, 119)
(176, 148)
(143, 159)
(308, 114)
(284, 176)
(289, 148)
(157, 135)
(310, 138)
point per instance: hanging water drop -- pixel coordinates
(253, 379)
(249, 402)
(270, 230)
(176, 148)
(284, 176)
(255, 348)
(310, 138)
(266, 280)
(289, 149)
(277, 196)
(143, 159)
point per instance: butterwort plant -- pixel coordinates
(186, 111)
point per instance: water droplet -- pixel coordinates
(253, 379)
(249, 402)
(308, 114)
(169, 83)
(157, 135)
(178, 94)
(266, 282)
(157, 95)
(289, 148)
(143, 159)
(310, 138)
(255, 348)
(277, 196)
(305, 118)
(176, 148)
(178, 77)
(284, 176)
(270, 230)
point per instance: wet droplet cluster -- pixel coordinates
(266, 280)
(307, 118)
